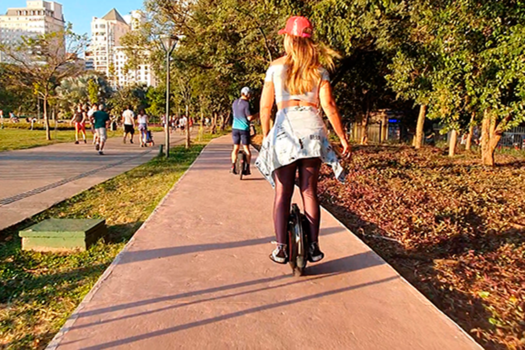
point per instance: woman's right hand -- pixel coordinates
(346, 148)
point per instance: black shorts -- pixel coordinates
(241, 136)
(129, 129)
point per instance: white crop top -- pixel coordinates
(277, 74)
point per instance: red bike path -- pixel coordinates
(197, 276)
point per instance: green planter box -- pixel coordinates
(63, 235)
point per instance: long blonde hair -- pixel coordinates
(303, 59)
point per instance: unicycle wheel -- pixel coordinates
(297, 242)
(239, 164)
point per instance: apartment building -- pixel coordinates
(125, 75)
(38, 17)
(108, 55)
(106, 34)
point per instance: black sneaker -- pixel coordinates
(85, 142)
(279, 255)
(97, 146)
(234, 170)
(76, 142)
(100, 153)
(314, 253)
(130, 141)
(247, 171)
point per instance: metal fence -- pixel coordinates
(377, 132)
(514, 138)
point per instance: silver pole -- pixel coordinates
(166, 119)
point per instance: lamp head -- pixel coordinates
(168, 42)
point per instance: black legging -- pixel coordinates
(284, 187)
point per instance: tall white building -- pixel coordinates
(38, 17)
(141, 74)
(106, 33)
(107, 53)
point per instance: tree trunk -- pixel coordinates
(452, 143)
(468, 143)
(214, 123)
(489, 139)
(364, 129)
(201, 124)
(384, 128)
(224, 121)
(418, 143)
(188, 143)
(46, 120)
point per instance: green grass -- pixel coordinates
(38, 291)
(13, 139)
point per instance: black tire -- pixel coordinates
(298, 271)
(297, 242)
(239, 165)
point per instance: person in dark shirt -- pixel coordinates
(101, 120)
(241, 128)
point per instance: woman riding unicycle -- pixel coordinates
(298, 141)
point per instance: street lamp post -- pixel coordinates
(168, 45)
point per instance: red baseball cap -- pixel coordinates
(298, 26)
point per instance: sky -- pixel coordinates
(81, 12)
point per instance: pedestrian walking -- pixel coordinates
(183, 121)
(101, 122)
(128, 119)
(90, 114)
(298, 141)
(79, 118)
(143, 127)
(2, 118)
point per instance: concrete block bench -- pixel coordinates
(63, 235)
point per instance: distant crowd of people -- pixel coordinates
(100, 122)
(179, 123)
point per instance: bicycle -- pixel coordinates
(297, 241)
(240, 163)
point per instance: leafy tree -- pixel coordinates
(79, 90)
(44, 60)
(14, 96)
(133, 95)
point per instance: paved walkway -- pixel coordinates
(197, 276)
(35, 179)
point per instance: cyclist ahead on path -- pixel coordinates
(298, 140)
(241, 128)
(128, 119)
(101, 121)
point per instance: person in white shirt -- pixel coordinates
(90, 113)
(128, 119)
(182, 123)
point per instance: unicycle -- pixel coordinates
(297, 241)
(240, 164)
